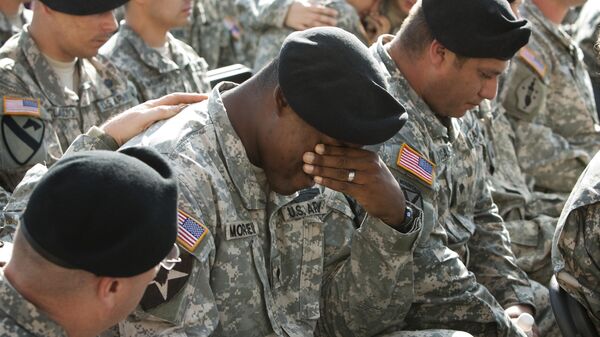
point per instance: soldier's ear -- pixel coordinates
(107, 291)
(437, 53)
(280, 100)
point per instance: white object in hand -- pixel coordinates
(525, 322)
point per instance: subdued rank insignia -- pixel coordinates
(412, 161)
(240, 230)
(529, 94)
(533, 60)
(167, 283)
(190, 232)
(304, 209)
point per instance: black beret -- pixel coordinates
(479, 29)
(83, 7)
(332, 82)
(109, 213)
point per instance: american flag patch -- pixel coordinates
(189, 231)
(21, 107)
(413, 162)
(532, 59)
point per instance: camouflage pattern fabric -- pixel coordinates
(459, 214)
(586, 31)
(20, 318)
(549, 101)
(530, 230)
(7, 29)
(38, 118)
(272, 36)
(576, 245)
(213, 32)
(153, 74)
(268, 265)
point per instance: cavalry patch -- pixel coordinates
(529, 94)
(22, 136)
(240, 230)
(533, 60)
(190, 232)
(412, 161)
(21, 107)
(167, 283)
(303, 209)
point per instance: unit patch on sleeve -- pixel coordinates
(412, 161)
(533, 60)
(167, 283)
(190, 232)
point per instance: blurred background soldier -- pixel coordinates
(347, 14)
(53, 84)
(13, 15)
(153, 60)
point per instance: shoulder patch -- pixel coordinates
(14, 106)
(533, 60)
(190, 231)
(530, 94)
(412, 161)
(167, 283)
(23, 136)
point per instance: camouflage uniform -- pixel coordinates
(549, 100)
(7, 29)
(54, 118)
(586, 31)
(576, 249)
(272, 36)
(152, 74)
(20, 318)
(268, 264)
(458, 212)
(530, 217)
(210, 34)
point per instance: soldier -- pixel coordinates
(13, 15)
(549, 100)
(271, 36)
(113, 133)
(96, 228)
(255, 259)
(214, 32)
(575, 250)
(529, 216)
(585, 32)
(439, 153)
(153, 60)
(53, 85)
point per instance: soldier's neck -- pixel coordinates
(554, 10)
(154, 35)
(244, 105)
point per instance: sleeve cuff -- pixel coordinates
(376, 230)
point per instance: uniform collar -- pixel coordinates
(24, 313)
(150, 56)
(240, 170)
(414, 104)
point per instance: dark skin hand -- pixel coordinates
(373, 186)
